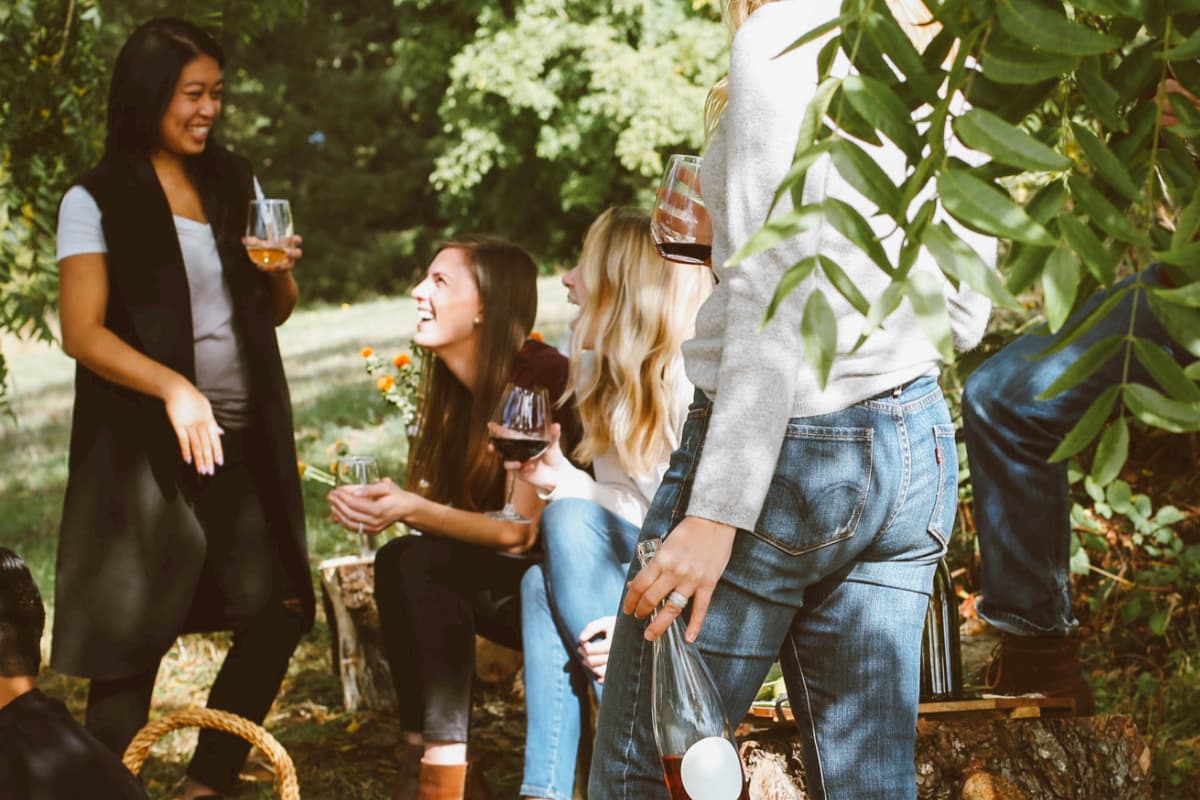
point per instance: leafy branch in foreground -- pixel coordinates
(1081, 176)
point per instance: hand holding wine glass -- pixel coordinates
(358, 471)
(520, 430)
(270, 239)
(680, 226)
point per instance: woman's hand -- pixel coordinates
(690, 562)
(195, 427)
(291, 251)
(370, 508)
(595, 641)
(545, 471)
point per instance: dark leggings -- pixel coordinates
(243, 569)
(434, 595)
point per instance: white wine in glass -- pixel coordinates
(268, 230)
(358, 471)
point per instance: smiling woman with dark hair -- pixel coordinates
(183, 508)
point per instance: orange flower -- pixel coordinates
(385, 382)
(402, 360)
(536, 336)
(367, 352)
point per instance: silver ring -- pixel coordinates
(678, 600)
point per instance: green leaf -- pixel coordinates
(1091, 360)
(982, 130)
(1060, 282)
(818, 332)
(1190, 49)
(983, 207)
(882, 108)
(1166, 371)
(1111, 452)
(959, 260)
(1158, 621)
(1187, 226)
(1024, 267)
(1183, 324)
(1107, 165)
(1104, 214)
(778, 229)
(1101, 98)
(795, 176)
(1088, 426)
(851, 224)
(864, 174)
(891, 39)
(1186, 256)
(1035, 24)
(814, 113)
(1154, 408)
(846, 288)
(1188, 295)
(887, 302)
(1088, 247)
(1020, 66)
(819, 31)
(787, 284)
(1068, 335)
(925, 294)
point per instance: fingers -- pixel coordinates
(351, 516)
(700, 601)
(594, 628)
(204, 447)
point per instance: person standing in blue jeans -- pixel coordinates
(627, 383)
(1023, 501)
(801, 521)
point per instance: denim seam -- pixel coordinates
(906, 472)
(934, 522)
(544, 792)
(627, 759)
(686, 481)
(910, 407)
(812, 726)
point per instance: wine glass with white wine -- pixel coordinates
(358, 471)
(268, 233)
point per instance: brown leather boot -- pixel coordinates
(441, 781)
(1046, 665)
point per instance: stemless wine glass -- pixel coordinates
(521, 432)
(679, 226)
(267, 232)
(358, 471)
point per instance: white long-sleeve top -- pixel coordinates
(627, 496)
(756, 376)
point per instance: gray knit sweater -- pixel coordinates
(757, 376)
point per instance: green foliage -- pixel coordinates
(1065, 96)
(53, 92)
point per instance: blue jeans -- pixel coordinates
(587, 551)
(1022, 501)
(833, 581)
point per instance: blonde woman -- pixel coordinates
(801, 522)
(628, 386)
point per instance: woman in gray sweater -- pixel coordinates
(802, 523)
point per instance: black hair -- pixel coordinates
(22, 618)
(144, 80)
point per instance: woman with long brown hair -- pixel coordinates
(475, 310)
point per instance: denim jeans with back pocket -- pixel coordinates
(833, 581)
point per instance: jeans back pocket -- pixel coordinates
(819, 488)
(941, 522)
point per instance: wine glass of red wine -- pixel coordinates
(679, 226)
(520, 431)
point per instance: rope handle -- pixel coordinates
(285, 771)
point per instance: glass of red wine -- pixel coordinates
(520, 431)
(679, 226)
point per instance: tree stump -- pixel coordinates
(348, 594)
(1083, 758)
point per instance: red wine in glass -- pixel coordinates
(519, 448)
(685, 252)
(672, 768)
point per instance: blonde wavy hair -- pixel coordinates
(913, 15)
(638, 312)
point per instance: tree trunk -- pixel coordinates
(1084, 758)
(348, 593)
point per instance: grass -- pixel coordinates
(338, 754)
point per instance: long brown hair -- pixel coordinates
(450, 462)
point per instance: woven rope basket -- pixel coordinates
(285, 772)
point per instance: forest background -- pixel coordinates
(392, 124)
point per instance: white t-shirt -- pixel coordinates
(222, 373)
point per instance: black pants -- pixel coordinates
(244, 574)
(434, 595)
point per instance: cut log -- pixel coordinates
(1084, 758)
(348, 594)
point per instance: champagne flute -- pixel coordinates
(268, 231)
(358, 471)
(679, 225)
(521, 431)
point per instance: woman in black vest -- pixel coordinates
(183, 509)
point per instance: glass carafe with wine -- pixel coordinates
(269, 232)
(520, 430)
(680, 226)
